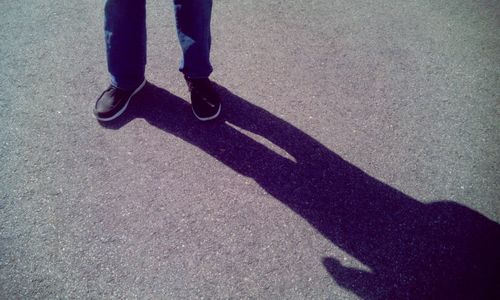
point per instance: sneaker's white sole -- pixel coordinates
(124, 107)
(207, 118)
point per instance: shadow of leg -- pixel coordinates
(414, 250)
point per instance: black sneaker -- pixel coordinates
(113, 102)
(204, 99)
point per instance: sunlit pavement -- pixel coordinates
(356, 156)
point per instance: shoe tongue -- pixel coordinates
(118, 91)
(198, 80)
(203, 83)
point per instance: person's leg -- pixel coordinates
(193, 29)
(125, 37)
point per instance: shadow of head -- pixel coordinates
(414, 250)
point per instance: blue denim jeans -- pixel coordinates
(125, 37)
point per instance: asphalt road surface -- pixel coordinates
(357, 156)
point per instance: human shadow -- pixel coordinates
(441, 250)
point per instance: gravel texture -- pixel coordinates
(356, 156)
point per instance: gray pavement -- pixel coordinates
(356, 158)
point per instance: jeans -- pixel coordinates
(125, 38)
